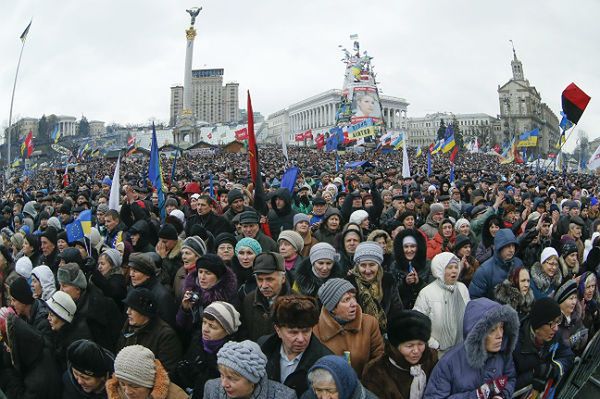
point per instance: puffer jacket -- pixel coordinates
(281, 219)
(401, 267)
(467, 366)
(265, 389)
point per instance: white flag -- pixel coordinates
(405, 165)
(115, 188)
(284, 147)
(594, 162)
(476, 146)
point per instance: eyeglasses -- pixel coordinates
(555, 323)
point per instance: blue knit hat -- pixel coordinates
(343, 374)
(248, 243)
(245, 358)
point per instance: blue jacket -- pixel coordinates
(494, 270)
(468, 366)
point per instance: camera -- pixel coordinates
(194, 297)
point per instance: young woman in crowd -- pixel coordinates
(320, 266)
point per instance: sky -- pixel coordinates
(115, 60)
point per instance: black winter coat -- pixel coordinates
(69, 333)
(401, 267)
(114, 286)
(165, 303)
(212, 222)
(101, 315)
(281, 219)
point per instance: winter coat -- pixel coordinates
(101, 315)
(165, 303)
(256, 314)
(360, 392)
(157, 336)
(72, 389)
(572, 331)
(507, 294)
(111, 236)
(69, 333)
(438, 244)
(281, 219)
(170, 265)
(51, 260)
(466, 274)
(528, 251)
(485, 248)
(298, 379)
(541, 284)
(34, 374)
(39, 318)
(265, 389)
(224, 290)
(401, 267)
(163, 387)
(361, 337)
(113, 286)
(467, 366)
(212, 222)
(528, 357)
(493, 271)
(388, 376)
(307, 283)
(430, 228)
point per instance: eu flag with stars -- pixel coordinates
(74, 231)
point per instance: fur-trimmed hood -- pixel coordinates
(420, 260)
(542, 280)
(163, 388)
(481, 315)
(507, 294)
(308, 283)
(225, 289)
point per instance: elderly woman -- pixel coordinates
(444, 302)
(572, 331)
(138, 374)
(314, 271)
(220, 322)
(482, 365)
(382, 238)
(463, 249)
(411, 268)
(212, 281)
(569, 261)
(516, 292)
(291, 245)
(330, 226)
(587, 293)
(245, 251)
(302, 227)
(43, 283)
(332, 377)
(545, 274)
(343, 327)
(348, 240)
(191, 250)
(402, 372)
(242, 367)
(225, 244)
(108, 276)
(376, 290)
(443, 240)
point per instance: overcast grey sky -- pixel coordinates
(115, 60)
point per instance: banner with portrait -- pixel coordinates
(365, 104)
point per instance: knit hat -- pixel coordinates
(136, 364)
(543, 311)
(436, 208)
(564, 291)
(102, 208)
(293, 238)
(17, 240)
(168, 232)
(89, 358)
(301, 217)
(332, 292)
(50, 234)
(195, 244)
(142, 263)
(249, 217)
(62, 305)
(245, 358)
(225, 238)
(267, 263)
(343, 374)
(368, 251)
(234, 195)
(323, 250)
(461, 241)
(141, 300)
(4, 313)
(248, 242)
(115, 256)
(460, 223)
(178, 214)
(21, 291)
(409, 240)
(23, 267)
(547, 253)
(295, 311)
(568, 248)
(225, 314)
(358, 216)
(440, 262)
(408, 325)
(71, 274)
(213, 263)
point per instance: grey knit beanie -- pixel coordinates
(332, 292)
(135, 364)
(225, 314)
(301, 217)
(323, 250)
(293, 238)
(435, 208)
(368, 251)
(115, 256)
(245, 358)
(71, 274)
(195, 244)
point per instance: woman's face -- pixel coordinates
(323, 267)
(465, 251)
(188, 257)
(409, 222)
(493, 340)
(133, 391)
(366, 104)
(447, 230)
(302, 227)
(327, 196)
(368, 270)
(55, 322)
(36, 287)
(346, 307)
(465, 229)
(333, 223)
(568, 306)
(494, 229)
(286, 249)
(351, 241)
(225, 251)
(104, 266)
(61, 244)
(410, 251)
(212, 330)
(571, 259)
(27, 248)
(246, 257)
(206, 279)
(590, 289)
(550, 266)
(524, 281)
(88, 383)
(412, 351)
(381, 242)
(235, 385)
(451, 273)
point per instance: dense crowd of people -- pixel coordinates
(356, 283)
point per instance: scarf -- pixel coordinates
(212, 346)
(289, 263)
(419, 378)
(370, 296)
(452, 319)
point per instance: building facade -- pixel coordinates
(212, 101)
(67, 125)
(422, 131)
(97, 128)
(522, 110)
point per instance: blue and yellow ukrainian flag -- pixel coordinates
(419, 152)
(437, 148)
(85, 218)
(449, 144)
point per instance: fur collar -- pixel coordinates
(176, 251)
(328, 327)
(507, 294)
(159, 391)
(542, 280)
(475, 341)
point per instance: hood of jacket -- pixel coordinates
(481, 315)
(26, 344)
(503, 238)
(285, 195)
(142, 228)
(224, 290)
(420, 259)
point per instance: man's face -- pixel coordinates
(237, 205)
(574, 212)
(250, 230)
(437, 217)
(294, 340)
(110, 222)
(64, 217)
(203, 207)
(47, 246)
(155, 200)
(270, 285)
(20, 308)
(319, 209)
(279, 203)
(508, 252)
(545, 229)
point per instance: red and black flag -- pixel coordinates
(574, 102)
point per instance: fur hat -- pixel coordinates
(294, 238)
(71, 274)
(225, 314)
(142, 263)
(136, 364)
(89, 358)
(295, 311)
(436, 208)
(408, 325)
(543, 311)
(141, 300)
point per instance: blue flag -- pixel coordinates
(333, 141)
(452, 172)
(288, 180)
(211, 186)
(74, 231)
(155, 173)
(565, 124)
(428, 163)
(174, 167)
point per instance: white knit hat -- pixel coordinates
(547, 253)
(23, 267)
(62, 305)
(135, 364)
(358, 216)
(225, 314)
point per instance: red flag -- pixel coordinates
(299, 137)
(65, 179)
(574, 102)
(453, 154)
(241, 134)
(27, 148)
(431, 146)
(320, 141)
(209, 136)
(308, 135)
